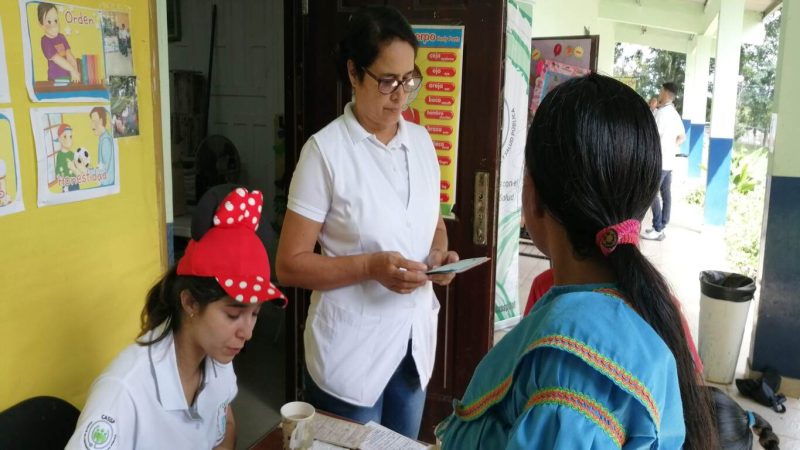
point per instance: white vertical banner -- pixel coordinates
(512, 159)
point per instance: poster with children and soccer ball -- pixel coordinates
(65, 59)
(77, 157)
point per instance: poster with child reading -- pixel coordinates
(64, 55)
(77, 158)
(10, 182)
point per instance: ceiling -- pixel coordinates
(754, 5)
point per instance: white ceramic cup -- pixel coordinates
(296, 418)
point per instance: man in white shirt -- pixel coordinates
(670, 128)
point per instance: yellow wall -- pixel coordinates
(73, 277)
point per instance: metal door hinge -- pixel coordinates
(479, 217)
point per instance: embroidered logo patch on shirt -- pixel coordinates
(101, 433)
(222, 421)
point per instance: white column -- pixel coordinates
(689, 87)
(702, 57)
(726, 74)
(723, 112)
(696, 107)
(605, 53)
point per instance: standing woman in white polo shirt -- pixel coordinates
(366, 188)
(173, 388)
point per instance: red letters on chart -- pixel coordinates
(438, 114)
(439, 129)
(444, 100)
(441, 71)
(444, 185)
(440, 86)
(444, 160)
(442, 56)
(442, 145)
(443, 198)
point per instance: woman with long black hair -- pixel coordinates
(602, 361)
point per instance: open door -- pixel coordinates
(314, 97)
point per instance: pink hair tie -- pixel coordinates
(609, 238)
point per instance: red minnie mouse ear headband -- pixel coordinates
(225, 246)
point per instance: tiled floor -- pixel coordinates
(689, 248)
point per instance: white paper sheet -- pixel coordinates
(382, 438)
(339, 432)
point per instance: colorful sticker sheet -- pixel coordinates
(77, 157)
(437, 104)
(552, 74)
(10, 180)
(566, 57)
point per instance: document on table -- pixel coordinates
(339, 432)
(458, 266)
(382, 438)
(319, 445)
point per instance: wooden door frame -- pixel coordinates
(467, 316)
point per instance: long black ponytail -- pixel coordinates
(163, 304)
(734, 425)
(594, 155)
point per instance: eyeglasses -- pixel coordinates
(387, 85)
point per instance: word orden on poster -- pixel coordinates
(437, 104)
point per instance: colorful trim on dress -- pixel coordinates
(609, 368)
(611, 292)
(479, 406)
(590, 408)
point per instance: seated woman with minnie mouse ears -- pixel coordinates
(174, 386)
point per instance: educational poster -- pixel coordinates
(10, 182)
(555, 60)
(63, 49)
(437, 104)
(124, 106)
(512, 159)
(5, 94)
(117, 43)
(77, 159)
(553, 73)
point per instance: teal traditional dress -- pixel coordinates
(582, 371)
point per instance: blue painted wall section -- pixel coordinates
(687, 128)
(719, 174)
(696, 138)
(777, 339)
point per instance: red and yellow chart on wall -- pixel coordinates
(437, 104)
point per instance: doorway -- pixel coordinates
(315, 97)
(243, 116)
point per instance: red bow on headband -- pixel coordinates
(231, 252)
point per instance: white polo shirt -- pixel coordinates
(356, 336)
(138, 403)
(670, 126)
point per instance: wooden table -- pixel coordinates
(270, 441)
